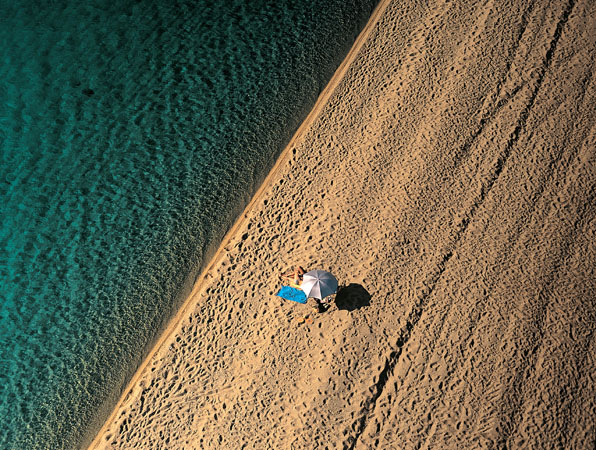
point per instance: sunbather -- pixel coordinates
(294, 278)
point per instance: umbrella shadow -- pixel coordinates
(352, 297)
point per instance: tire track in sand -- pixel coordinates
(415, 314)
(514, 397)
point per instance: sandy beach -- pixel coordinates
(447, 177)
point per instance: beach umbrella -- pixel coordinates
(318, 284)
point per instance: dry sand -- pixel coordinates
(448, 177)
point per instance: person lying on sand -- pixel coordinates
(294, 278)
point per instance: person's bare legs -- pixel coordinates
(295, 276)
(298, 272)
(288, 274)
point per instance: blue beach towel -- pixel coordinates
(293, 294)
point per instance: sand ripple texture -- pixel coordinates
(449, 181)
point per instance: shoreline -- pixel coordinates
(282, 159)
(453, 195)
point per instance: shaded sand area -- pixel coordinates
(448, 178)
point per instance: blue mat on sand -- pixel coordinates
(290, 293)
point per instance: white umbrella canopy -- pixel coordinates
(318, 284)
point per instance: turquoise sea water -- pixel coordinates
(131, 134)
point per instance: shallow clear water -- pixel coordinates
(131, 134)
